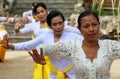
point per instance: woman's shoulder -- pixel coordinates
(72, 35)
(108, 42)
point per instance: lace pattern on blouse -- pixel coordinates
(83, 67)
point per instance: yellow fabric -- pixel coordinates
(35, 17)
(2, 53)
(1, 29)
(32, 36)
(47, 26)
(60, 73)
(39, 70)
(42, 71)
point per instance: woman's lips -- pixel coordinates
(92, 35)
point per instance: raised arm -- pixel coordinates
(27, 29)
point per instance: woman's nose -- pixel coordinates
(57, 26)
(90, 28)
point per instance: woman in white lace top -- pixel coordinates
(91, 58)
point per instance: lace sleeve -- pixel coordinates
(113, 49)
(63, 49)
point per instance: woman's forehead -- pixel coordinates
(88, 18)
(57, 18)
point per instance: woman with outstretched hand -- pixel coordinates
(59, 66)
(91, 58)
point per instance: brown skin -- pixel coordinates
(42, 15)
(57, 25)
(5, 41)
(36, 57)
(90, 29)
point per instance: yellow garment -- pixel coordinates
(47, 26)
(39, 70)
(42, 71)
(1, 29)
(2, 53)
(35, 17)
(60, 73)
(2, 50)
(32, 36)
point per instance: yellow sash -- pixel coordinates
(2, 53)
(39, 70)
(60, 73)
(42, 71)
(1, 29)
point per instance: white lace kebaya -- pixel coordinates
(99, 68)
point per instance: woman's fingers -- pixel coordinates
(41, 52)
(31, 54)
(36, 57)
(5, 41)
(42, 57)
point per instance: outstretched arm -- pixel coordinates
(64, 49)
(28, 45)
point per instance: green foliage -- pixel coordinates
(106, 12)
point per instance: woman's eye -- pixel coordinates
(85, 26)
(38, 12)
(60, 23)
(94, 24)
(54, 24)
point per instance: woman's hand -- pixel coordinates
(18, 25)
(5, 42)
(36, 57)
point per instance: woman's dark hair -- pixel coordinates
(36, 5)
(52, 14)
(86, 13)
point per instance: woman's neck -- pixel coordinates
(42, 24)
(90, 43)
(57, 38)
